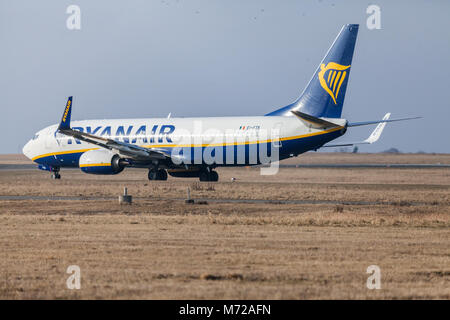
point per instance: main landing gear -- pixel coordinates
(157, 174)
(208, 175)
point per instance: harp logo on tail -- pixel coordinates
(331, 78)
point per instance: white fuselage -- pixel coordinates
(54, 148)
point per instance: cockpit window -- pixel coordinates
(35, 136)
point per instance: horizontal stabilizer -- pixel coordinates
(365, 123)
(374, 136)
(316, 122)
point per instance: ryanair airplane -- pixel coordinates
(194, 147)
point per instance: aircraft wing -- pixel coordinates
(127, 149)
(374, 136)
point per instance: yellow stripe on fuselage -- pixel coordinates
(200, 145)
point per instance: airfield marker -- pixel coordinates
(125, 198)
(189, 200)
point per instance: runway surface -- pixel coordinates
(307, 165)
(360, 203)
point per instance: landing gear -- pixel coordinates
(213, 176)
(159, 174)
(55, 173)
(203, 176)
(208, 175)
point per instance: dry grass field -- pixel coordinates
(161, 248)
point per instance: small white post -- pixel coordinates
(188, 200)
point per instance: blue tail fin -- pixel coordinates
(324, 95)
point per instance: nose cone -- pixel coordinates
(26, 150)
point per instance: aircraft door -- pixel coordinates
(50, 140)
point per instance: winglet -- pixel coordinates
(375, 135)
(65, 120)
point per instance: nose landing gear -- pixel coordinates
(55, 174)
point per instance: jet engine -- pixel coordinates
(101, 162)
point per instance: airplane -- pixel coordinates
(194, 147)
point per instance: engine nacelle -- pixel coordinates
(101, 162)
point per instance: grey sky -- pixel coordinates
(221, 58)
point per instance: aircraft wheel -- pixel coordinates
(203, 176)
(56, 175)
(162, 174)
(213, 176)
(152, 175)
